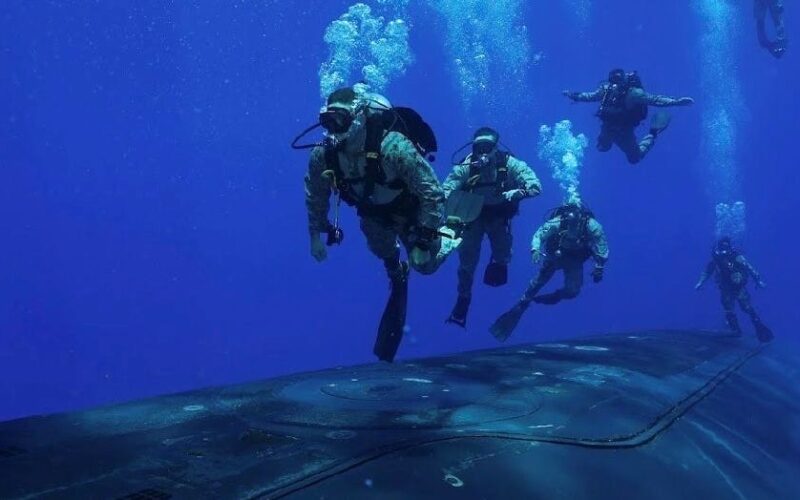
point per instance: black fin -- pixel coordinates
(505, 324)
(393, 321)
(463, 207)
(496, 274)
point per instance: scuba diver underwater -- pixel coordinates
(623, 106)
(570, 237)
(494, 182)
(775, 7)
(732, 270)
(373, 158)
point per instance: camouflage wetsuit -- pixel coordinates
(732, 272)
(622, 109)
(566, 249)
(495, 218)
(407, 202)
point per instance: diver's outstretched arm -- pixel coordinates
(639, 96)
(524, 177)
(710, 268)
(751, 270)
(593, 96)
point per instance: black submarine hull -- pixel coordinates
(651, 414)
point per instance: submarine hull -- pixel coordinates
(650, 414)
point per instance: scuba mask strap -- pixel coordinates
(506, 150)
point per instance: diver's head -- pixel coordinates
(571, 212)
(616, 76)
(723, 246)
(484, 145)
(338, 115)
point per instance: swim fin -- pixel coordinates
(393, 321)
(763, 333)
(496, 274)
(505, 324)
(659, 122)
(462, 208)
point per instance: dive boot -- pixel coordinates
(393, 321)
(460, 310)
(496, 274)
(505, 324)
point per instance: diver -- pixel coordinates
(500, 182)
(570, 237)
(732, 270)
(373, 158)
(778, 47)
(623, 106)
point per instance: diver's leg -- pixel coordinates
(634, 152)
(545, 274)
(573, 279)
(606, 138)
(500, 238)
(728, 298)
(440, 248)
(469, 254)
(764, 334)
(760, 13)
(382, 242)
(781, 42)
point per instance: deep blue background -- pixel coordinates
(153, 229)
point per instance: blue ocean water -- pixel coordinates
(154, 231)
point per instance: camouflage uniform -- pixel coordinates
(732, 276)
(621, 117)
(495, 218)
(393, 213)
(562, 250)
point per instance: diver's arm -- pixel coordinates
(403, 158)
(318, 193)
(750, 269)
(593, 96)
(456, 180)
(524, 177)
(599, 243)
(639, 96)
(707, 274)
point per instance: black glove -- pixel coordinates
(597, 274)
(425, 237)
